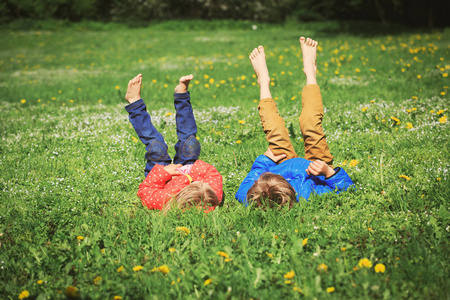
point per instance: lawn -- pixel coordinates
(72, 226)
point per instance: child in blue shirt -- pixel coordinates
(280, 177)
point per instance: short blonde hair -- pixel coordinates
(271, 190)
(196, 194)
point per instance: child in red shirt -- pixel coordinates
(187, 181)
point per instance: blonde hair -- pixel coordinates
(271, 190)
(196, 194)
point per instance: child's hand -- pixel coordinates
(172, 169)
(319, 167)
(270, 155)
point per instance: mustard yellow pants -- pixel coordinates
(277, 135)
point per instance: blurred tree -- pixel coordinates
(411, 12)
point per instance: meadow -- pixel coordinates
(71, 225)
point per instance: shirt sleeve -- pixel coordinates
(153, 190)
(340, 181)
(261, 165)
(204, 172)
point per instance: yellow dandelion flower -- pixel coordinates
(373, 70)
(138, 268)
(305, 241)
(297, 289)
(238, 141)
(438, 179)
(353, 163)
(414, 97)
(97, 280)
(206, 76)
(168, 114)
(431, 111)
(442, 93)
(207, 281)
(163, 269)
(269, 254)
(117, 87)
(287, 281)
(322, 267)
(404, 176)
(24, 294)
(414, 109)
(171, 250)
(23, 101)
(183, 229)
(223, 254)
(241, 122)
(202, 236)
(364, 109)
(222, 81)
(289, 275)
(71, 292)
(440, 111)
(395, 119)
(80, 238)
(120, 269)
(365, 263)
(445, 75)
(357, 70)
(380, 268)
(211, 80)
(154, 81)
(330, 289)
(165, 85)
(40, 281)
(343, 249)
(228, 259)
(293, 98)
(443, 119)
(409, 125)
(408, 110)
(419, 76)
(116, 297)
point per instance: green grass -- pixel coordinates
(70, 165)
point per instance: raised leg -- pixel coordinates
(188, 147)
(140, 119)
(316, 146)
(273, 124)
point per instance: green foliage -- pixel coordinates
(142, 13)
(71, 223)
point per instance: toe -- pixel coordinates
(302, 40)
(261, 49)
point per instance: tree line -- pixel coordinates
(421, 13)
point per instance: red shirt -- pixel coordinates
(159, 186)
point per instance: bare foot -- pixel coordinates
(134, 89)
(309, 50)
(258, 60)
(183, 85)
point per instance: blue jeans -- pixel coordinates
(187, 148)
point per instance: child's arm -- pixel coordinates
(339, 181)
(261, 165)
(152, 190)
(204, 172)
